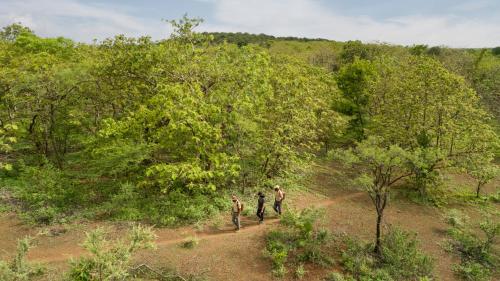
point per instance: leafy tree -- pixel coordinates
(483, 173)
(418, 49)
(386, 166)
(432, 113)
(496, 51)
(10, 33)
(355, 49)
(354, 81)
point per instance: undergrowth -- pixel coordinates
(400, 260)
(476, 245)
(298, 242)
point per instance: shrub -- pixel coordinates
(479, 257)
(19, 269)
(400, 258)
(173, 209)
(45, 192)
(109, 260)
(472, 271)
(298, 242)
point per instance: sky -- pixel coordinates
(454, 23)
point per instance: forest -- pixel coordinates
(160, 134)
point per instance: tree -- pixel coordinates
(355, 49)
(11, 32)
(496, 51)
(354, 81)
(483, 173)
(418, 50)
(386, 166)
(419, 105)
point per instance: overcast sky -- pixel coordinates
(456, 23)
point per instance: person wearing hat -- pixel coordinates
(261, 207)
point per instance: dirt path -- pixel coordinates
(63, 251)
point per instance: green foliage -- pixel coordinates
(298, 242)
(439, 130)
(496, 51)
(479, 254)
(400, 258)
(10, 33)
(108, 259)
(387, 165)
(45, 192)
(182, 120)
(472, 271)
(418, 50)
(19, 269)
(483, 172)
(356, 49)
(6, 140)
(176, 208)
(354, 80)
(403, 257)
(242, 38)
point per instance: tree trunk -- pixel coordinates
(478, 189)
(378, 246)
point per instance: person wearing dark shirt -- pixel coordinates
(261, 207)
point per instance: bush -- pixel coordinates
(472, 271)
(479, 258)
(176, 208)
(109, 260)
(19, 269)
(45, 193)
(400, 259)
(298, 242)
(402, 256)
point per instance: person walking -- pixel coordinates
(279, 196)
(260, 206)
(236, 211)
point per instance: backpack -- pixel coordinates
(283, 196)
(241, 207)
